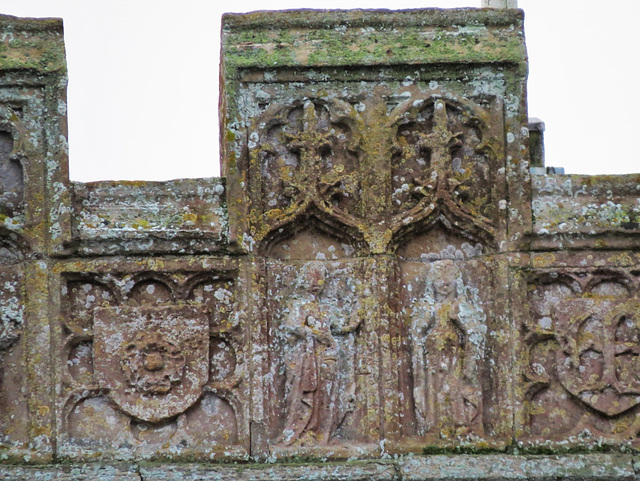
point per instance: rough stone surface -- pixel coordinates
(593, 467)
(377, 288)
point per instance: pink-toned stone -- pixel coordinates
(378, 274)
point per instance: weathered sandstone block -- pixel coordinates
(377, 274)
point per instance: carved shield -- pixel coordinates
(153, 362)
(599, 355)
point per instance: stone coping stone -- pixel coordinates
(578, 467)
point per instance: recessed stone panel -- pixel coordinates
(580, 375)
(155, 356)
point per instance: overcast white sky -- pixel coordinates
(144, 81)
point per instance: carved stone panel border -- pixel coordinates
(580, 342)
(152, 360)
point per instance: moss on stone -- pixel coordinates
(32, 44)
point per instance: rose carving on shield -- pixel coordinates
(599, 355)
(152, 362)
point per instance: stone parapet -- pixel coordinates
(376, 288)
(181, 216)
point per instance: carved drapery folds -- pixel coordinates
(447, 335)
(366, 280)
(317, 330)
(316, 335)
(448, 319)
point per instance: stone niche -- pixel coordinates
(376, 277)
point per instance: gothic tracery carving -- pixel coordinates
(308, 160)
(443, 165)
(583, 347)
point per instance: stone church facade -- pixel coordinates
(380, 286)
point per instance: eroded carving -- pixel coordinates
(316, 335)
(153, 362)
(448, 337)
(307, 159)
(219, 418)
(598, 359)
(151, 292)
(11, 250)
(155, 354)
(11, 310)
(82, 297)
(80, 362)
(442, 165)
(222, 360)
(93, 420)
(583, 351)
(11, 177)
(312, 144)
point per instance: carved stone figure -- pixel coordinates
(448, 342)
(318, 364)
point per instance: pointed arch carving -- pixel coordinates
(478, 238)
(445, 166)
(321, 221)
(307, 153)
(442, 240)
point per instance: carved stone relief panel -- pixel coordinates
(309, 154)
(316, 325)
(380, 160)
(582, 345)
(450, 328)
(13, 409)
(446, 157)
(322, 363)
(438, 130)
(154, 362)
